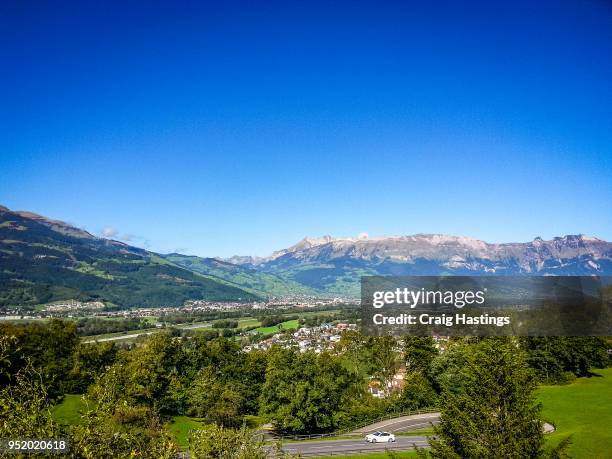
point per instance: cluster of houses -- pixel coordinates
(317, 339)
(323, 337)
(74, 306)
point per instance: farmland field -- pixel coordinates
(275, 328)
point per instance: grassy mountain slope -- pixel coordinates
(260, 283)
(43, 260)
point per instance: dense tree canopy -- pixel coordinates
(305, 393)
(555, 359)
(494, 414)
(484, 386)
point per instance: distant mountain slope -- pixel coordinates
(334, 265)
(258, 282)
(44, 260)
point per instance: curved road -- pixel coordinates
(347, 447)
(401, 424)
(358, 445)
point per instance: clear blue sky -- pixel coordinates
(225, 128)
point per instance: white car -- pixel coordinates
(380, 437)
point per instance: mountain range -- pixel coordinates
(43, 260)
(334, 265)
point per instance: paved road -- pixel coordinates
(119, 337)
(146, 332)
(402, 424)
(347, 447)
(359, 445)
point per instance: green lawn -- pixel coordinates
(68, 412)
(180, 427)
(582, 409)
(248, 322)
(275, 328)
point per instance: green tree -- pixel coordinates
(553, 357)
(144, 373)
(417, 393)
(24, 407)
(494, 415)
(46, 347)
(419, 352)
(213, 399)
(369, 356)
(305, 392)
(89, 361)
(215, 442)
(114, 427)
(446, 370)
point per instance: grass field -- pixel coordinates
(68, 412)
(180, 427)
(275, 328)
(248, 322)
(582, 409)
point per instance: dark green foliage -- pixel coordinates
(494, 414)
(557, 359)
(48, 348)
(207, 378)
(305, 392)
(369, 356)
(114, 426)
(485, 385)
(24, 406)
(96, 326)
(225, 324)
(214, 400)
(446, 371)
(417, 393)
(143, 374)
(419, 352)
(89, 361)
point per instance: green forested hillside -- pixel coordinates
(43, 260)
(258, 282)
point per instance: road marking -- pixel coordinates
(378, 426)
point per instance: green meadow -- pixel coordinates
(68, 412)
(180, 426)
(583, 410)
(282, 326)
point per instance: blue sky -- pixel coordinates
(229, 128)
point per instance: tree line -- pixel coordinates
(130, 392)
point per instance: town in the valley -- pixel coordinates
(302, 323)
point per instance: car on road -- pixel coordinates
(380, 437)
